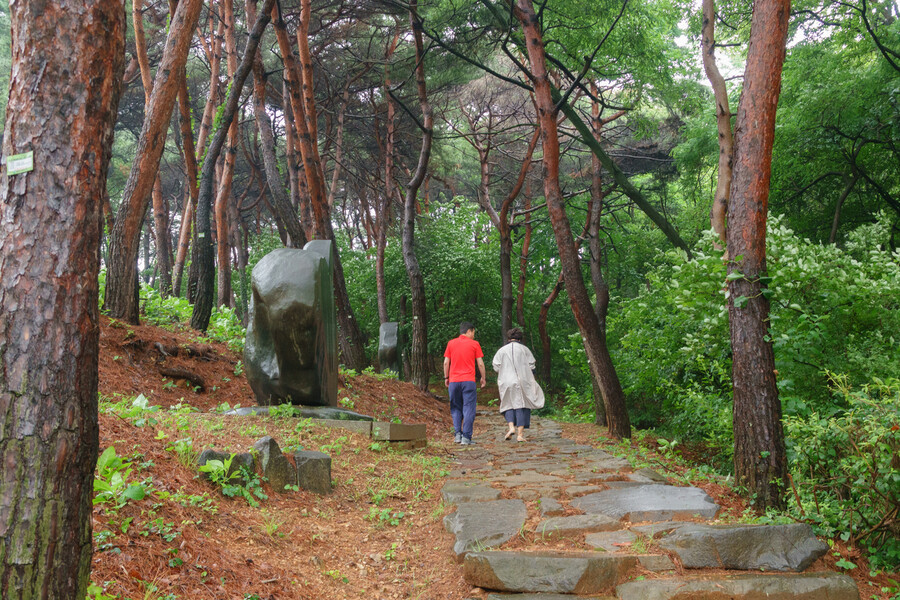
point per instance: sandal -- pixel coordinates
(520, 439)
(508, 435)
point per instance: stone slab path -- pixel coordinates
(549, 519)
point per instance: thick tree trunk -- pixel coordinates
(723, 119)
(285, 214)
(419, 351)
(121, 281)
(66, 76)
(204, 255)
(598, 356)
(760, 464)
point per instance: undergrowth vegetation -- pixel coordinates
(834, 314)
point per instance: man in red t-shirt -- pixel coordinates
(460, 358)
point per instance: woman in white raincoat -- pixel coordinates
(519, 392)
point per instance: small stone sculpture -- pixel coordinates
(290, 352)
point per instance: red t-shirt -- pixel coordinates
(462, 353)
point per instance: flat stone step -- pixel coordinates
(457, 492)
(577, 524)
(397, 432)
(545, 597)
(553, 572)
(610, 541)
(480, 525)
(791, 547)
(649, 503)
(804, 586)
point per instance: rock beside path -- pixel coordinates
(747, 547)
(458, 492)
(555, 572)
(649, 503)
(577, 524)
(480, 525)
(806, 586)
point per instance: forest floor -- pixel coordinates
(378, 535)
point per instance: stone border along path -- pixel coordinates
(588, 495)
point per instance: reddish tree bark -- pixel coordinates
(121, 282)
(214, 55)
(419, 347)
(600, 362)
(303, 105)
(760, 464)
(67, 64)
(160, 213)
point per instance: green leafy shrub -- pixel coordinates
(235, 482)
(846, 469)
(111, 485)
(832, 310)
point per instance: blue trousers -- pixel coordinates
(462, 406)
(520, 417)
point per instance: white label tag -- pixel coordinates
(20, 163)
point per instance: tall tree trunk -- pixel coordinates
(160, 214)
(419, 354)
(546, 363)
(299, 197)
(224, 196)
(383, 207)
(723, 119)
(190, 196)
(212, 101)
(304, 141)
(68, 60)
(285, 214)
(760, 464)
(850, 182)
(504, 226)
(121, 281)
(598, 355)
(595, 248)
(303, 104)
(204, 255)
(523, 258)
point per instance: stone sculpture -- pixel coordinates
(389, 346)
(290, 352)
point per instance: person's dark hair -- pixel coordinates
(464, 327)
(515, 334)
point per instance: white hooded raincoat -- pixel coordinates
(518, 388)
